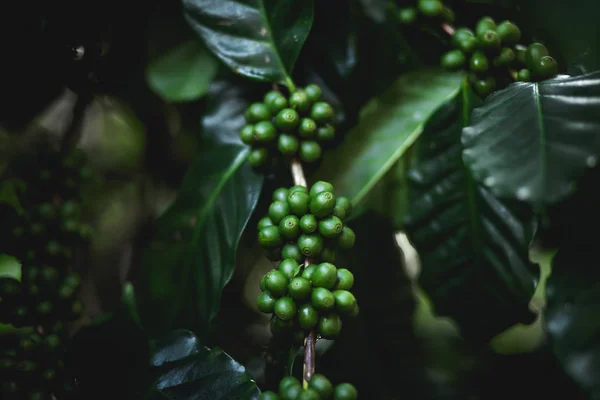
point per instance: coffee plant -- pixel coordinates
(298, 200)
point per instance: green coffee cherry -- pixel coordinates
(344, 301)
(430, 8)
(280, 194)
(453, 60)
(320, 186)
(287, 119)
(258, 157)
(276, 283)
(322, 204)
(257, 112)
(535, 52)
(310, 151)
(546, 68)
(247, 134)
(485, 24)
(347, 239)
(299, 100)
(345, 391)
(308, 271)
(289, 268)
(321, 385)
(460, 34)
(325, 133)
(343, 208)
(505, 58)
(313, 92)
(289, 227)
(486, 86)
(292, 251)
(288, 145)
(509, 33)
(307, 128)
(330, 326)
(299, 288)
(275, 101)
(298, 188)
(331, 227)
(264, 131)
(324, 276)
(310, 244)
(521, 54)
(407, 15)
(285, 308)
(291, 392)
(308, 223)
(524, 75)
(298, 203)
(308, 316)
(468, 44)
(322, 299)
(308, 394)
(266, 302)
(321, 112)
(263, 284)
(269, 237)
(287, 381)
(479, 62)
(345, 279)
(269, 395)
(488, 40)
(278, 210)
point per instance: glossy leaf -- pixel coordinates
(388, 126)
(186, 370)
(184, 73)
(571, 317)
(473, 246)
(533, 141)
(259, 39)
(192, 256)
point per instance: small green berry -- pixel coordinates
(257, 112)
(313, 92)
(307, 128)
(308, 271)
(269, 237)
(524, 75)
(326, 133)
(485, 24)
(263, 284)
(288, 145)
(521, 54)
(247, 134)
(431, 8)
(258, 157)
(331, 227)
(454, 59)
(299, 288)
(505, 58)
(289, 268)
(488, 40)
(479, 62)
(278, 210)
(345, 391)
(287, 119)
(330, 326)
(266, 302)
(484, 87)
(276, 283)
(320, 186)
(460, 34)
(310, 151)
(343, 208)
(546, 68)
(509, 33)
(324, 276)
(275, 101)
(310, 245)
(468, 44)
(322, 299)
(292, 251)
(298, 188)
(328, 255)
(322, 204)
(308, 316)
(280, 194)
(264, 131)
(407, 15)
(308, 223)
(291, 392)
(298, 203)
(321, 385)
(535, 52)
(321, 112)
(344, 301)
(269, 395)
(289, 227)
(287, 381)
(347, 239)
(285, 308)
(299, 100)
(345, 279)
(308, 394)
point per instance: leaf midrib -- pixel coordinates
(538, 106)
(272, 44)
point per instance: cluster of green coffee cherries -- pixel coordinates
(410, 11)
(319, 388)
(493, 51)
(299, 126)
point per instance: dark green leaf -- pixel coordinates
(388, 126)
(192, 256)
(186, 370)
(473, 247)
(9, 196)
(532, 141)
(184, 73)
(260, 39)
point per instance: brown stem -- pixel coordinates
(309, 357)
(298, 173)
(449, 29)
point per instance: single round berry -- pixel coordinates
(330, 325)
(247, 134)
(345, 279)
(321, 112)
(258, 157)
(298, 203)
(263, 283)
(276, 283)
(291, 392)
(266, 302)
(269, 237)
(298, 188)
(308, 316)
(310, 244)
(308, 394)
(328, 254)
(278, 210)
(345, 391)
(326, 133)
(524, 75)
(331, 227)
(347, 239)
(509, 33)
(308, 223)
(320, 186)
(484, 87)
(431, 8)
(344, 301)
(313, 92)
(291, 251)
(285, 308)
(257, 112)
(407, 15)
(324, 276)
(321, 385)
(308, 271)
(485, 24)
(289, 227)
(299, 100)
(289, 268)
(299, 288)
(535, 52)
(322, 299)
(505, 58)
(460, 34)
(307, 128)
(280, 194)
(343, 207)
(453, 60)
(488, 40)
(479, 62)
(287, 381)
(521, 53)
(287, 119)
(322, 204)
(275, 101)
(265, 132)
(546, 68)
(269, 395)
(288, 145)
(310, 151)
